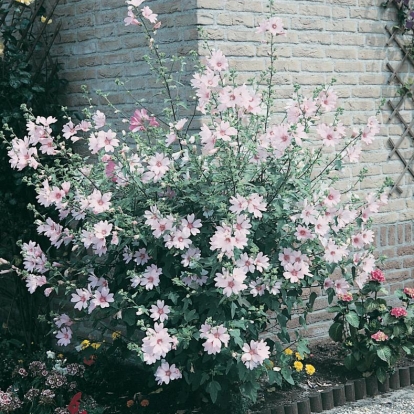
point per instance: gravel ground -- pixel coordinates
(396, 402)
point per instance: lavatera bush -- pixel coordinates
(200, 241)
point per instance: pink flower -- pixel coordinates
(191, 224)
(63, 319)
(160, 311)
(102, 298)
(80, 298)
(131, 19)
(157, 343)
(231, 283)
(409, 292)
(151, 277)
(379, 336)
(377, 276)
(140, 119)
(166, 373)
(98, 202)
(149, 15)
(303, 233)
(255, 354)
(33, 282)
(345, 297)
(341, 286)
(64, 336)
(333, 198)
(217, 61)
(398, 312)
(99, 119)
(215, 338)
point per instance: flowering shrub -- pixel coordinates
(200, 241)
(374, 334)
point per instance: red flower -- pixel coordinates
(398, 312)
(377, 276)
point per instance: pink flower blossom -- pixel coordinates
(217, 61)
(255, 354)
(215, 337)
(191, 224)
(409, 292)
(166, 373)
(151, 277)
(160, 311)
(34, 281)
(156, 344)
(231, 283)
(99, 119)
(102, 298)
(62, 319)
(81, 298)
(149, 15)
(64, 336)
(379, 336)
(131, 19)
(377, 276)
(398, 312)
(345, 297)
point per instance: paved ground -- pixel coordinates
(395, 402)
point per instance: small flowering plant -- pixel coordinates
(199, 241)
(374, 333)
(44, 385)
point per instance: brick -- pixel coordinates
(233, 19)
(341, 26)
(304, 23)
(308, 52)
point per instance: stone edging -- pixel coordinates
(339, 395)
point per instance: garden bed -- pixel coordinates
(330, 374)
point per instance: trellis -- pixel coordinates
(398, 105)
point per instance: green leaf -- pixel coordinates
(287, 375)
(381, 374)
(311, 301)
(335, 331)
(233, 308)
(213, 388)
(384, 352)
(350, 362)
(352, 318)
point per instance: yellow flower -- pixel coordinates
(288, 351)
(298, 366)
(298, 356)
(310, 369)
(44, 18)
(84, 344)
(96, 345)
(25, 2)
(116, 335)
(60, 356)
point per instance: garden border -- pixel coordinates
(351, 391)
